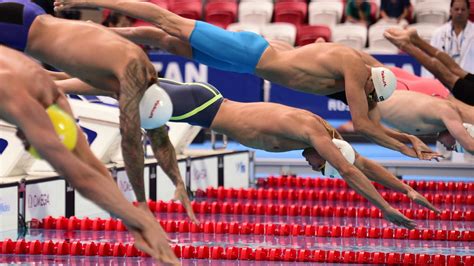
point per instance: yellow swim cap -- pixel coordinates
(64, 126)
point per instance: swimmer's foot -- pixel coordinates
(399, 37)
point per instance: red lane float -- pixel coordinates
(105, 249)
(247, 228)
(310, 182)
(280, 194)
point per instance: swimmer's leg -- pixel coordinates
(211, 45)
(442, 57)
(439, 70)
(416, 48)
(243, 49)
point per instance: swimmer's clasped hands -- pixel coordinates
(423, 152)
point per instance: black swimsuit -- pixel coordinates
(195, 103)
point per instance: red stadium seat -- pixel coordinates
(308, 34)
(291, 12)
(221, 13)
(187, 9)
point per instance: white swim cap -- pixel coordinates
(385, 82)
(348, 153)
(156, 107)
(470, 130)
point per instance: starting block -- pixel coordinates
(14, 159)
(100, 125)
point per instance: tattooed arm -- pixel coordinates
(132, 89)
(165, 154)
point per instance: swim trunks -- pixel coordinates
(16, 17)
(196, 103)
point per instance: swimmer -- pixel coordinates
(285, 129)
(320, 68)
(429, 115)
(24, 96)
(433, 109)
(97, 56)
(443, 67)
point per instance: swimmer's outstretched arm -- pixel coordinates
(77, 86)
(379, 174)
(162, 147)
(147, 232)
(149, 12)
(355, 80)
(453, 122)
(93, 185)
(166, 155)
(358, 181)
(368, 122)
(422, 151)
(309, 130)
(156, 37)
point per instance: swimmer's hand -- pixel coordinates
(152, 239)
(144, 206)
(60, 5)
(394, 216)
(408, 151)
(423, 152)
(419, 199)
(181, 195)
